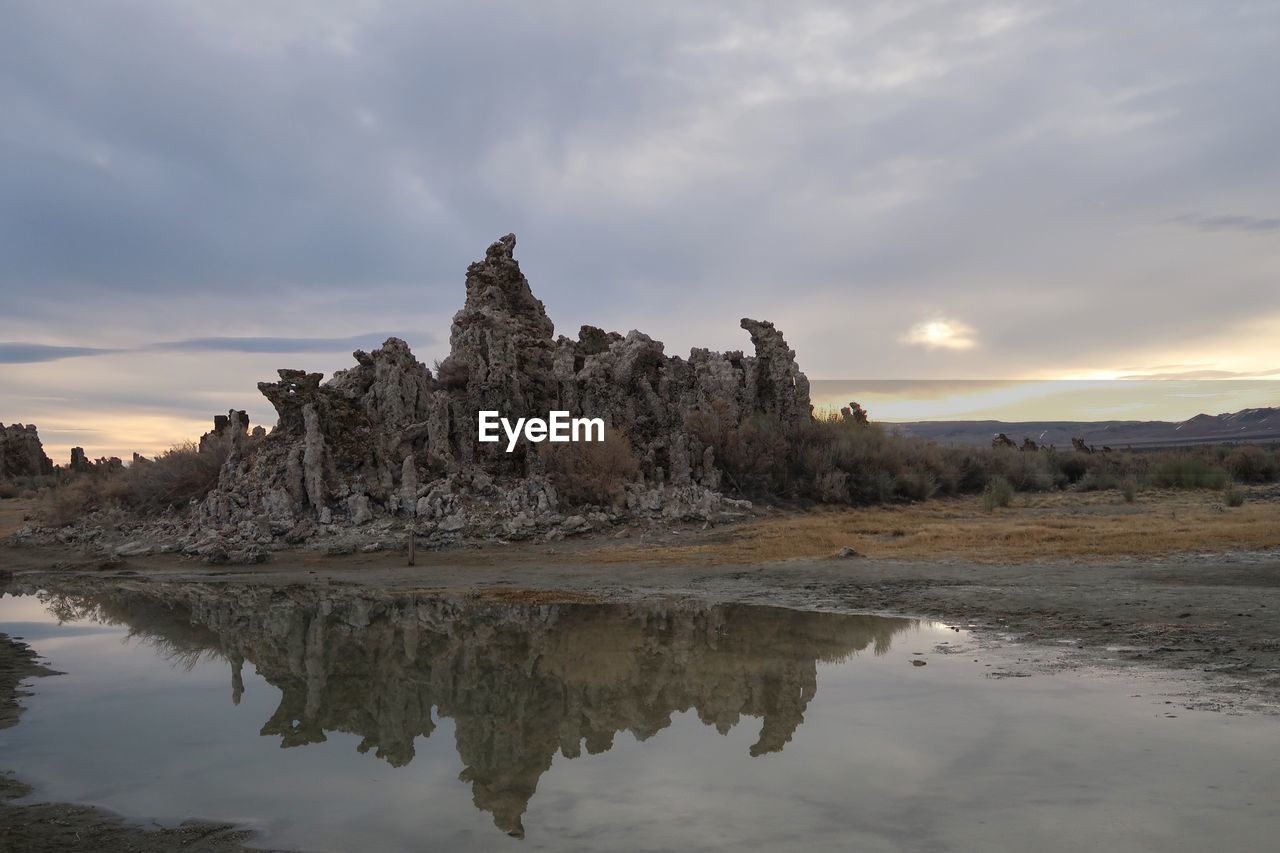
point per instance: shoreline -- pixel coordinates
(1211, 618)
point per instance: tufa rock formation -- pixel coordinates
(854, 414)
(1003, 441)
(387, 439)
(21, 453)
(1080, 446)
(229, 430)
(81, 464)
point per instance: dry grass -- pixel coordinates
(1056, 525)
(172, 480)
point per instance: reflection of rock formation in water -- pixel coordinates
(520, 681)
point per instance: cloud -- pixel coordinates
(12, 352)
(28, 353)
(1230, 222)
(193, 175)
(941, 334)
(370, 340)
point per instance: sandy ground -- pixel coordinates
(1179, 585)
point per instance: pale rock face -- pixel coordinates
(359, 509)
(357, 447)
(409, 485)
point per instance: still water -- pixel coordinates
(331, 719)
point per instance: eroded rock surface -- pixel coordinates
(388, 441)
(21, 453)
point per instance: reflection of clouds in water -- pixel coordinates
(521, 682)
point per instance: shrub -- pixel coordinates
(1025, 471)
(1129, 489)
(1184, 471)
(17, 487)
(1251, 464)
(170, 481)
(1233, 496)
(1097, 480)
(998, 493)
(916, 485)
(1073, 466)
(60, 506)
(591, 472)
(173, 479)
(757, 455)
(452, 373)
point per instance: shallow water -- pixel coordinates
(338, 720)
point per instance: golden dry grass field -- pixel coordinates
(1076, 525)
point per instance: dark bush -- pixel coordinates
(1184, 471)
(1251, 464)
(170, 481)
(591, 472)
(1074, 466)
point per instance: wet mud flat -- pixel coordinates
(330, 714)
(1213, 617)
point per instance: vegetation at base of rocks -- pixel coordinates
(172, 480)
(591, 472)
(828, 460)
(835, 460)
(25, 487)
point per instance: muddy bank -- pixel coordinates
(56, 827)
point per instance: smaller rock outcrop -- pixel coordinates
(1080, 446)
(229, 429)
(21, 453)
(82, 464)
(855, 414)
(1003, 441)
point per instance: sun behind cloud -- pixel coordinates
(941, 334)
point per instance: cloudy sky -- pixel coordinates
(194, 194)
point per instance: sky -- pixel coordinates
(195, 194)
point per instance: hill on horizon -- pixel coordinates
(1258, 425)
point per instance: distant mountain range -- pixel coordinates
(1246, 425)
